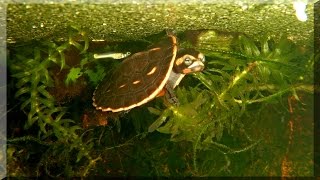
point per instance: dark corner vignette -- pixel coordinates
(316, 89)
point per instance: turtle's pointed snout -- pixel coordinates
(197, 66)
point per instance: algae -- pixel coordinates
(134, 20)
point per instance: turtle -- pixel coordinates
(146, 75)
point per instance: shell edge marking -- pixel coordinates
(155, 93)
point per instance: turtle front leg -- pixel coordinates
(170, 96)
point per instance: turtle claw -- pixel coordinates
(174, 101)
(170, 96)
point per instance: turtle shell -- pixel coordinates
(138, 79)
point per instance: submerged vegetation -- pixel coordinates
(241, 116)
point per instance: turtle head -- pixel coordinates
(189, 61)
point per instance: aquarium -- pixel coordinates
(158, 88)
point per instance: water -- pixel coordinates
(249, 113)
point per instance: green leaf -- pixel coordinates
(95, 76)
(22, 91)
(46, 78)
(203, 78)
(37, 55)
(63, 47)
(23, 81)
(56, 109)
(80, 155)
(59, 116)
(264, 73)
(22, 74)
(84, 61)
(31, 63)
(157, 123)
(73, 129)
(248, 47)
(43, 125)
(44, 92)
(62, 60)
(75, 44)
(73, 75)
(49, 103)
(31, 120)
(154, 111)
(265, 45)
(168, 128)
(86, 43)
(25, 103)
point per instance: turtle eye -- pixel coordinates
(187, 61)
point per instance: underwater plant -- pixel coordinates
(242, 75)
(214, 131)
(60, 136)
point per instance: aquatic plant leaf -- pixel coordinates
(168, 128)
(95, 76)
(44, 92)
(37, 55)
(248, 47)
(57, 131)
(46, 78)
(30, 63)
(22, 91)
(23, 81)
(154, 111)
(207, 82)
(219, 131)
(63, 123)
(22, 74)
(200, 100)
(222, 72)
(216, 79)
(31, 121)
(73, 75)
(48, 102)
(62, 60)
(278, 78)
(63, 47)
(74, 128)
(264, 73)
(84, 151)
(84, 61)
(42, 124)
(237, 63)
(157, 123)
(59, 116)
(265, 45)
(53, 57)
(15, 67)
(185, 120)
(76, 44)
(86, 43)
(227, 68)
(25, 103)
(219, 62)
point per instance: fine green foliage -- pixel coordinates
(94, 75)
(215, 131)
(250, 73)
(57, 132)
(73, 75)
